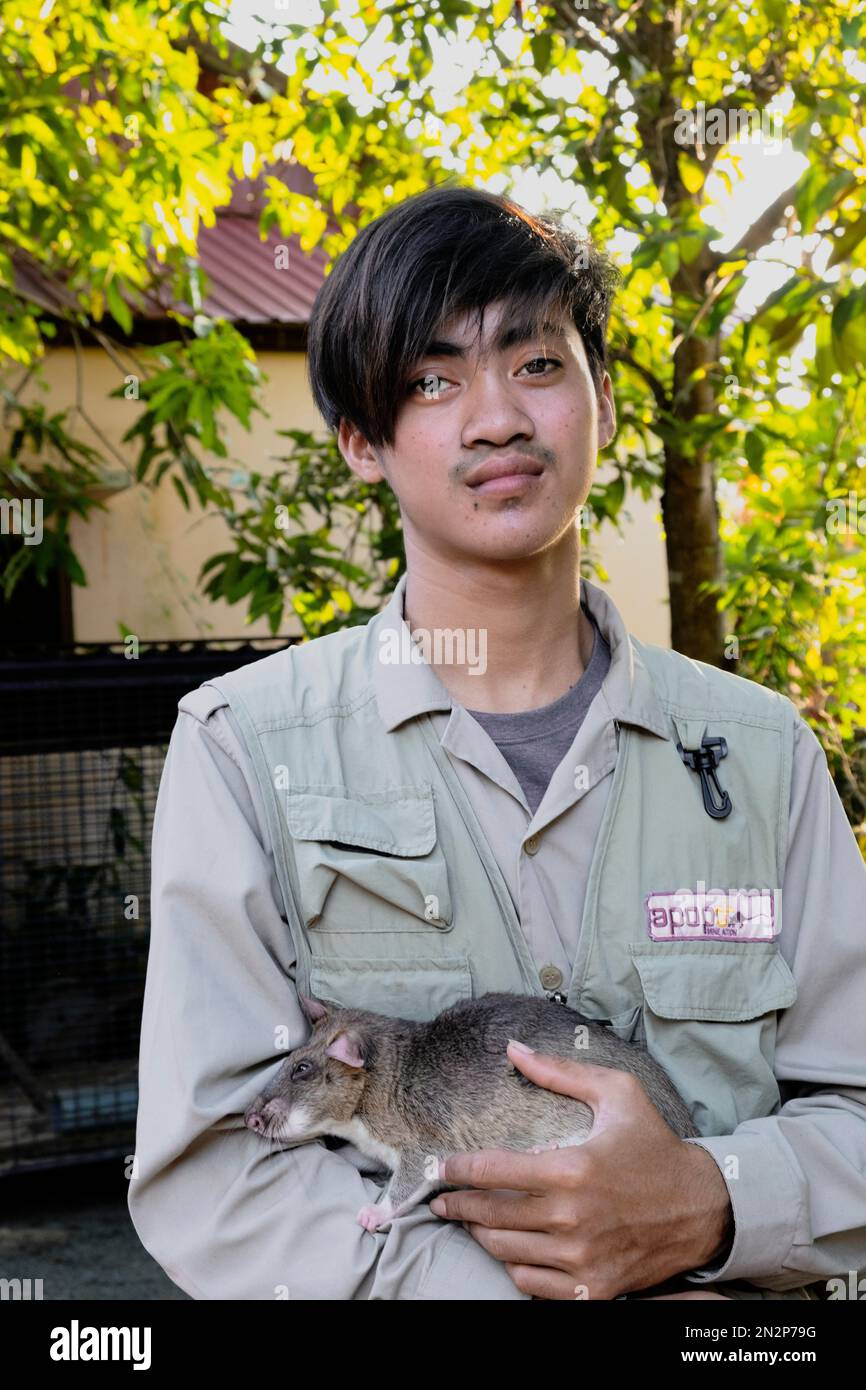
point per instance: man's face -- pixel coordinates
(473, 405)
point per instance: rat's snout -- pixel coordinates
(262, 1112)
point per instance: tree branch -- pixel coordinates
(761, 230)
(652, 381)
(571, 22)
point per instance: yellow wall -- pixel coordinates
(142, 556)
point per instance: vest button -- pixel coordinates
(550, 976)
(532, 844)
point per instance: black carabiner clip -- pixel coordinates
(704, 761)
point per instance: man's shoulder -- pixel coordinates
(202, 702)
(280, 675)
(684, 681)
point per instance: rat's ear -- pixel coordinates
(347, 1047)
(312, 1008)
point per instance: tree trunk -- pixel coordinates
(691, 520)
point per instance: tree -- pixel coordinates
(639, 104)
(111, 159)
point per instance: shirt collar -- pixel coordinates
(408, 686)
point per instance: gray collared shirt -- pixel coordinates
(534, 742)
(225, 1221)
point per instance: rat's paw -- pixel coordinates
(371, 1217)
(543, 1148)
(368, 1217)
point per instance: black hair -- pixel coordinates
(448, 250)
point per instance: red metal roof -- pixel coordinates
(244, 283)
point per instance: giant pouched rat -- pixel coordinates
(409, 1094)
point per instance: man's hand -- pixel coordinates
(625, 1210)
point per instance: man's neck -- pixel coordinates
(525, 619)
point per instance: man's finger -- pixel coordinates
(546, 1283)
(498, 1209)
(518, 1247)
(586, 1081)
(534, 1173)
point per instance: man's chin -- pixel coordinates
(490, 535)
(509, 540)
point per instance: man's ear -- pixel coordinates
(359, 455)
(606, 413)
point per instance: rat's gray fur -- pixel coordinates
(421, 1091)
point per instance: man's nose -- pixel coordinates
(493, 413)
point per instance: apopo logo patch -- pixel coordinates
(712, 914)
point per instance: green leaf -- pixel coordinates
(845, 245)
(848, 326)
(670, 258)
(120, 311)
(181, 489)
(755, 449)
(691, 174)
(541, 45)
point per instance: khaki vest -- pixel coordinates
(396, 903)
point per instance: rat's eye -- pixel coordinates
(301, 1069)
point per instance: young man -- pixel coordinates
(501, 802)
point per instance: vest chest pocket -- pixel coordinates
(369, 861)
(415, 987)
(375, 898)
(709, 1017)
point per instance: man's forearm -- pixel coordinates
(709, 1234)
(815, 1145)
(284, 1227)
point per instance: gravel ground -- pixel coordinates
(70, 1227)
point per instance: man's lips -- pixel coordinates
(514, 467)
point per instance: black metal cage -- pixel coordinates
(84, 731)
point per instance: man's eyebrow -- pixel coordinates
(506, 338)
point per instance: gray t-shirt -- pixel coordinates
(535, 741)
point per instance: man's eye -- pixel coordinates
(554, 360)
(429, 383)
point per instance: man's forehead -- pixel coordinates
(498, 331)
